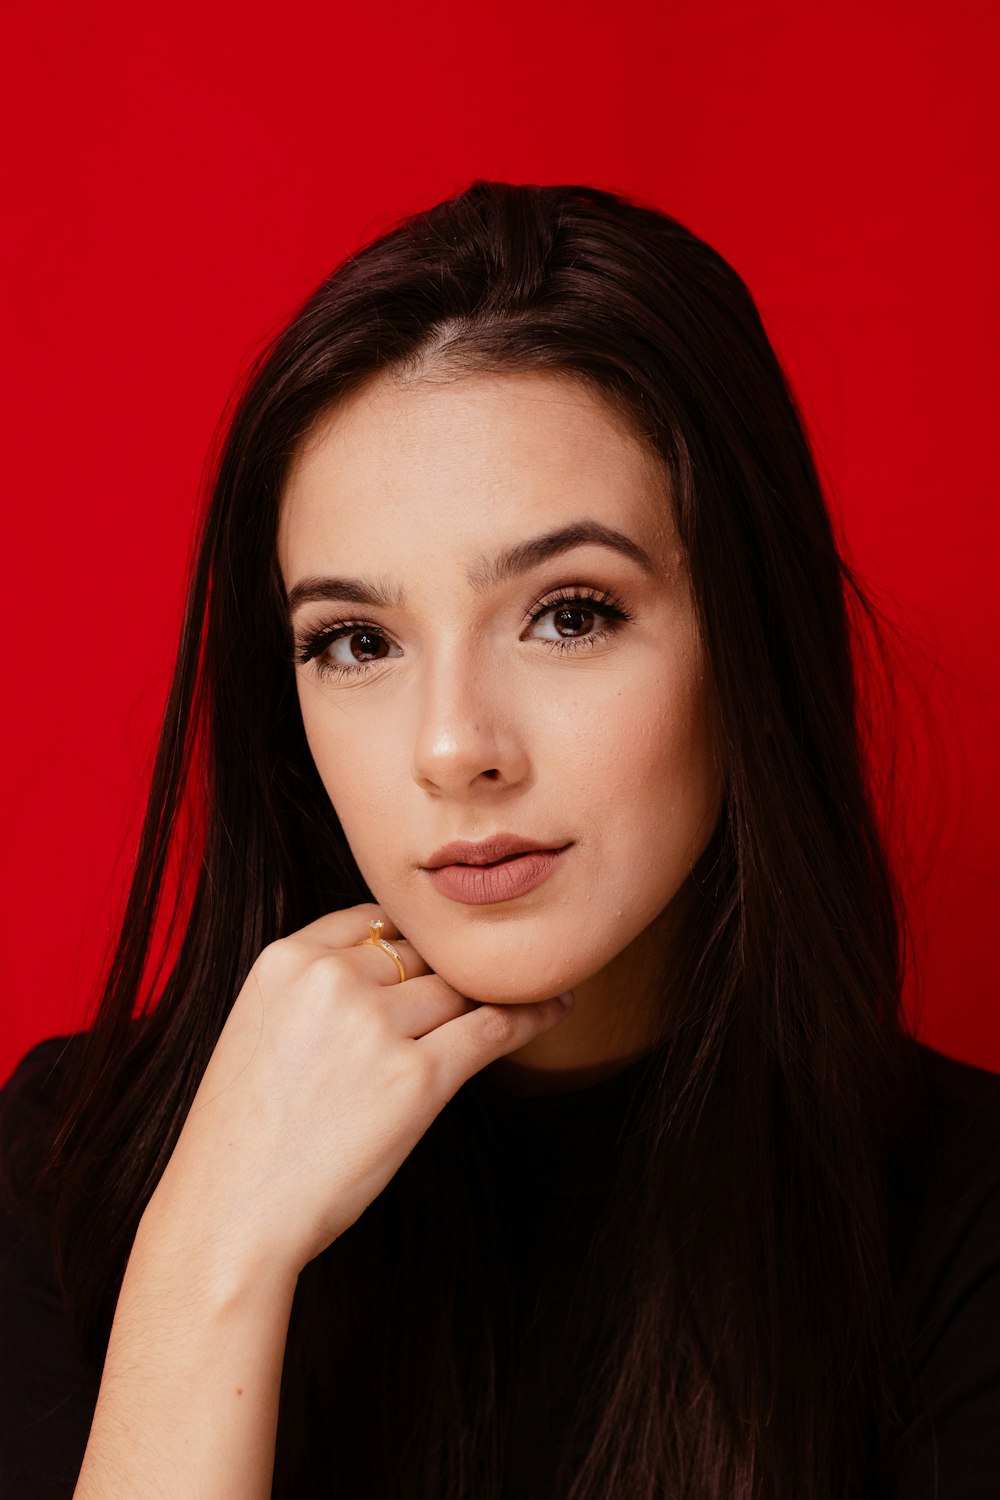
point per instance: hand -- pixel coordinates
(327, 1072)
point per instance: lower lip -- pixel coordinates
(480, 885)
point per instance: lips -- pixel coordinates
(488, 851)
(504, 880)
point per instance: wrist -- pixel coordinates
(185, 1250)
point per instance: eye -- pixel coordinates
(361, 647)
(573, 615)
(577, 619)
(346, 648)
(574, 619)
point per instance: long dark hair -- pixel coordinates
(752, 1348)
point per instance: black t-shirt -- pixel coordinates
(558, 1157)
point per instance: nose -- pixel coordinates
(468, 735)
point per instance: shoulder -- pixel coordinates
(47, 1085)
(963, 1097)
(36, 1076)
(29, 1100)
(945, 1227)
(48, 1387)
(945, 1174)
(952, 1152)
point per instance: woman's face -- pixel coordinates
(528, 662)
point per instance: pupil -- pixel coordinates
(570, 614)
(365, 649)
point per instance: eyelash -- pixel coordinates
(605, 605)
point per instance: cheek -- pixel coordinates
(358, 784)
(654, 783)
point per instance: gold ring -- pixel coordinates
(377, 941)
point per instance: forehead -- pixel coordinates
(466, 460)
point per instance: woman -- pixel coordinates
(605, 1166)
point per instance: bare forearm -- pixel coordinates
(189, 1395)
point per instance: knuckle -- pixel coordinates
(327, 974)
(274, 963)
(272, 953)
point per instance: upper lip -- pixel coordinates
(485, 852)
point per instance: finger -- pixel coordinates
(344, 928)
(423, 1003)
(485, 1032)
(381, 967)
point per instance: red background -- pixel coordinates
(179, 181)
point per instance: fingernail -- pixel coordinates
(566, 998)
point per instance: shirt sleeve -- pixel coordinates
(951, 1448)
(48, 1390)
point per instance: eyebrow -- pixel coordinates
(484, 574)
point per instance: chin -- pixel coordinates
(485, 989)
(494, 968)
